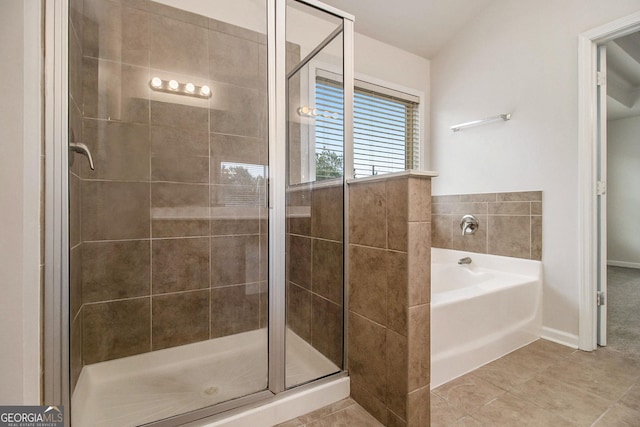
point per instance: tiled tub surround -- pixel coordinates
(510, 223)
(389, 296)
(314, 302)
(166, 255)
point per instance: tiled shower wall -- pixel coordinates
(315, 267)
(169, 248)
(389, 298)
(510, 223)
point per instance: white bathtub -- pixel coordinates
(480, 311)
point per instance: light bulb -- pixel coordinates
(204, 90)
(173, 85)
(156, 82)
(189, 87)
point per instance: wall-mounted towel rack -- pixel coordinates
(491, 119)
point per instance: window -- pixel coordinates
(386, 130)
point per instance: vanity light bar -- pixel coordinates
(492, 119)
(173, 86)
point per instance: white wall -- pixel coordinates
(19, 202)
(520, 57)
(623, 192)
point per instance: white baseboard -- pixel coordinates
(560, 337)
(626, 264)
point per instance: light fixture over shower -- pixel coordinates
(175, 87)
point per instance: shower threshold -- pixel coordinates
(152, 386)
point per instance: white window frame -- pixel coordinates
(318, 67)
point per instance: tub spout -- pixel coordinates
(465, 260)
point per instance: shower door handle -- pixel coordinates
(79, 147)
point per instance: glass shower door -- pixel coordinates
(169, 231)
(314, 195)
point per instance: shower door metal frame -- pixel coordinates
(56, 387)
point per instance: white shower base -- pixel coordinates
(151, 386)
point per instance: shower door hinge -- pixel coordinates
(601, 188)
(600, 298)
(601, 78)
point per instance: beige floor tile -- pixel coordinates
(573, 404)
(507, 373)
(509, 410)
(619, 416)
(353, 416)
(468, 392)
(467, 422)
(631, 398)
(600, 378)
(443, 413)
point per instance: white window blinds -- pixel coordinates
(386, 130)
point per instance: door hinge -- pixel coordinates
(601, 78)
(600, 298)
(601, 188)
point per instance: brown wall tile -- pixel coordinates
(75, 353)
(368, 214)
(233, 60)
(75, 212)
(524, 196)
(510, 236)
(441, 231)
(473, 208)
(475, 198)
(299, 266)
(327, 279)
(175, 13)
(235, 260)
(228, 227)
(476, 242)
(179, 210)
(120, 150)
(179, 155)
(419, 199)
(178, 46)
(536, 208)
(235, 149)
(419, 261)
(368, 355)
(234, 30)
(510, 208)
(419, 347)
(327, 328)
(180, 264)
(419, 407)
(115, 270)
(180, 116)
(116, 329)
(299, 311)
(397, 206)
(369, 402)
(229, 113)
(233, 310)
(327, 213)
(116, 32)
(115, 91)
(115, 210)
(397, 292)
(179, 319)
(505, 236)
(368, 282)
(536, 238)
(396, 375)
(75, 280)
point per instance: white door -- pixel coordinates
(601, 188)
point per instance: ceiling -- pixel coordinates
(418, 26)
(623, 77)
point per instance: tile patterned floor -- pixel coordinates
(542, 384)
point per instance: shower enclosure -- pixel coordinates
(201, 215)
